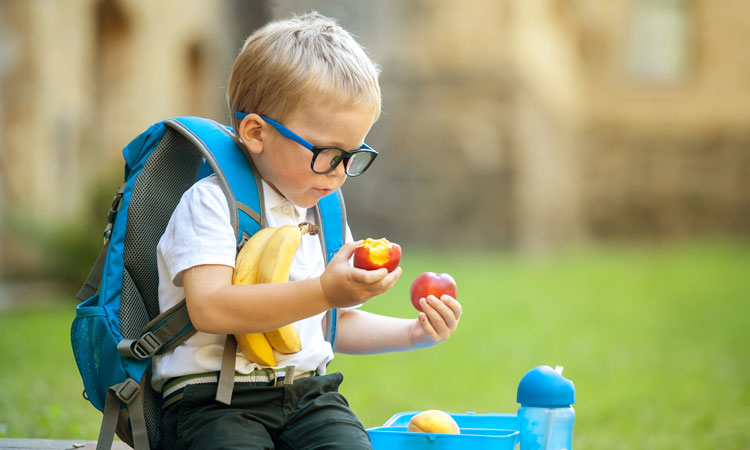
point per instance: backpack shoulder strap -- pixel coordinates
(331, 215)
(232, 166)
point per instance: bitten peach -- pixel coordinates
(373, 254)
(433, 421)
(431, 283)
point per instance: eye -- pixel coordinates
(336, 160)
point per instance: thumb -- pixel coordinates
(347, 250)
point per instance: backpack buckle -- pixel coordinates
(107, 232)
(146, 345)
(115, 203)
(127, 390)
(112, 213)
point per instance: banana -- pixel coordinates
(275, 263)
(278, 254)
(254, 346)
(248, 259)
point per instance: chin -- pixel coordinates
(308, 205)
(307, 202)
(310, 198)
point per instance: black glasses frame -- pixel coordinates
(345, 155)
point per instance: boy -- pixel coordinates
(308, 76)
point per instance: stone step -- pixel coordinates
(54, 444)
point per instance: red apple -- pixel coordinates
(373, 254)
(431, 283)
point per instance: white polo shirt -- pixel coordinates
(200, 232)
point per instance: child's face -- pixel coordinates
(285, 164)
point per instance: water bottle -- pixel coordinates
(546, 416)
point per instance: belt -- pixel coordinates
(174, 387)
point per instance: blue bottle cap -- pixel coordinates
(544, 386)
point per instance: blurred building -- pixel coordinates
(80, 78)
(536, 123)
(507, 123)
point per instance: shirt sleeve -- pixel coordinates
(348, 235)
(199, 231)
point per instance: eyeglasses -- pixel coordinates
(325, 158)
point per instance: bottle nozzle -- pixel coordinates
(546, 387)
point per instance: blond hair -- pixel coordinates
(290, 63)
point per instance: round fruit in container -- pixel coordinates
(433, 421)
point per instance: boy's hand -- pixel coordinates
(438, 321)
(344, 285)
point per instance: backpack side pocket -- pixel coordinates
(95, 351)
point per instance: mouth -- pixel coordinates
(323, 191)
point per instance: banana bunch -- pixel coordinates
(267, 258)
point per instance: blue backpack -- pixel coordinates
(118, 327)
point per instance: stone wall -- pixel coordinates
(80, 79)
(445, 177)
(507, 123)
(663, 186)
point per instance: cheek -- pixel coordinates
(292, 159)
(296, 171)
(299, 157)
(300, 166)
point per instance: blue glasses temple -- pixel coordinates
(287, 133)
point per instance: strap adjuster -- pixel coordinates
(112, 213)
(146, 345)
(115, 204)
(107, 232)
(127, 390)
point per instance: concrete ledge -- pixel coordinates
(54, 444)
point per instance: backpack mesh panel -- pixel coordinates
(152, 412)
(132, 307)
(168, 172)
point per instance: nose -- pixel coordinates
(340, 170)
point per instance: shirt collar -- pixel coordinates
(275, 202)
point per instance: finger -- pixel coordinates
(347, 250)
(435, 311)
(429, 330)
(386, 283)
(392, 277)
(369, 276)
(453, 304)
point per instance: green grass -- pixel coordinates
(655, 339)
(41, 388)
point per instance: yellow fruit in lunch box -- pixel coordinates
(433, 421)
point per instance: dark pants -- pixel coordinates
(309, 414)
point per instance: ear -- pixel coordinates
(251, 132)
